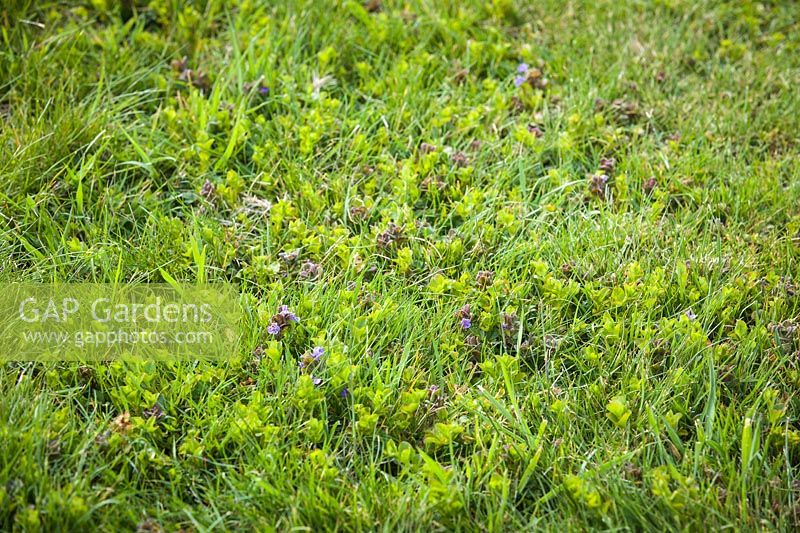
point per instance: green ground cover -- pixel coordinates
(544, 257)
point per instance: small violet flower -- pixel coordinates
(281, 320)
(345, 392)
(509, 322)
(316, 381)
(310, 359)
(522, 70)
(287, 314)
(690, 314)
(465, 314)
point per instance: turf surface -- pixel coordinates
(549, 252)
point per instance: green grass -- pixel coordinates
(647, 376)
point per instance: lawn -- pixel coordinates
(542, 257)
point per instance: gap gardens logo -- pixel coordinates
(104, 321)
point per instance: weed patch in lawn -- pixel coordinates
(505, 265)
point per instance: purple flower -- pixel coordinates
(522, 68)
(263, 89)
(273, 328)
(316, 381)
(509, 322)
(310, 270)
(317, 352)
(519, 80)
(690, 315)
(345, 392)
(466, 323)
(287, 314)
